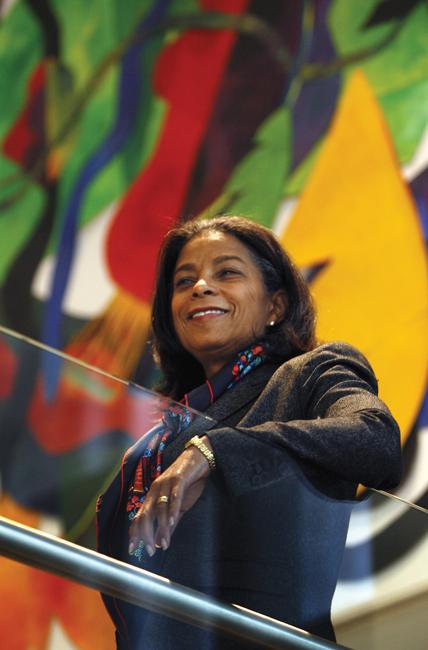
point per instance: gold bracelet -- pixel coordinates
(197, 442)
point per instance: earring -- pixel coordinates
(272, 323)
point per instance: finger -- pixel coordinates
(147, 527)
(162, 537)
(177, 493)
(182, 499)
(134, 534)
(168, 515)
(144, 527)
(172, 528)
(134, 528)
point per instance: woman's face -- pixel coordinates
(219, 303)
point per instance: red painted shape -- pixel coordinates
(75, 417)
(8, 364)
(26, 135)
(188, 74)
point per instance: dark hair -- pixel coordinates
(292, 336)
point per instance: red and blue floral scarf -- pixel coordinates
(178, 417)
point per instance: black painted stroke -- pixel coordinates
(16, 290)
(388, 10)
(48, 24)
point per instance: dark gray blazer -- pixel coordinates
(291, 444)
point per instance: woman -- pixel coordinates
(254, 508)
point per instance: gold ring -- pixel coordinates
(163, 499)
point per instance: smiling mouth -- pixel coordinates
(200, 313)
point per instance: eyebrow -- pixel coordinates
(218, 260)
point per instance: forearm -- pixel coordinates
(362, 448)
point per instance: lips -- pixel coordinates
(206, 311)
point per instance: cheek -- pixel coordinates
(257, 306)
(179, 321)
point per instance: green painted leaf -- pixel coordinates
(256, 185)
(297, 180)
(406, 120)
(183, 7)
(397, 73)
(19, 220)
(20, 51)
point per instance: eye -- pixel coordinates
(229, 272)
(183, 282)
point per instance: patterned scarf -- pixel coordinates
(177, 418)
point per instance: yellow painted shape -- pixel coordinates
(357, 212)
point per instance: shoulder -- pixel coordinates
(322, 360)
(334, 351)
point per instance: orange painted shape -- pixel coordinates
(32, 600)
(357, 211)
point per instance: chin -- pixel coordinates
(208, 346)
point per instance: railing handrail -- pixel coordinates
(145, 589)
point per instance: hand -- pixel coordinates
(183, 483)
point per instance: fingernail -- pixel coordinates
(150, 550)
(164, 543)
(171, 521)
(131, 548)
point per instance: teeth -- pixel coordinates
(203, 312)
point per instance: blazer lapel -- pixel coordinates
(243, 393)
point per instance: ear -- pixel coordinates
(279, 306)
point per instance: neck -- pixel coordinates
(211, 369)
(212, 366)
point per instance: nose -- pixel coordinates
(201, 288)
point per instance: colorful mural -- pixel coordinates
(117, 121)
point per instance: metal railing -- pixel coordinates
(139, 587)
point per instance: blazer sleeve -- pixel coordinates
(342, 427)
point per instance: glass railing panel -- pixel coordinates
(381, 598)
(64, 428)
